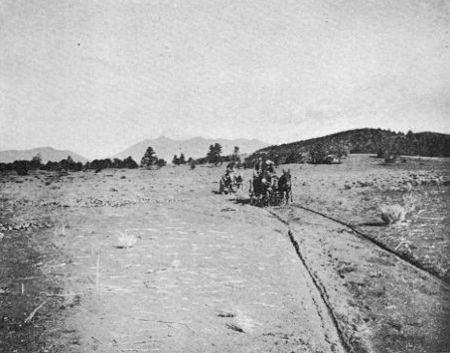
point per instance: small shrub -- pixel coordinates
(21, 167)
(318, 153)
(161, 163)
(391, 214)
(321, 153)
(410, 202)
(126, 240)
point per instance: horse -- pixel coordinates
(225, 184)
(262, 187)
(285, 186)
(230, 182)
(259, 192)
(238, 180)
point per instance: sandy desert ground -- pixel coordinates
(210, 273)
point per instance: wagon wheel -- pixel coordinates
(251, 193)
(277, 198)
(267, 197)
(272, 199)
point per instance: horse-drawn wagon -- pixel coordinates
(266, 189)
(230, 182)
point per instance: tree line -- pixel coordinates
(213, 156)
(149, 161)
(68, 164)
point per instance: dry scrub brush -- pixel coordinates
(126, 240)
(410, 202)
(394, 214)
(391, 214)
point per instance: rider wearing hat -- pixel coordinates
(258, 169)
(270, 166)
(230, 168)
(268, 172)
(229, 171)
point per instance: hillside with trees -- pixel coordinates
(383, 143)
(22, 167)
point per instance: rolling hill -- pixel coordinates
(196, 147)
(47, 154)
(429, 144)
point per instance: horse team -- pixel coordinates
(266, 188)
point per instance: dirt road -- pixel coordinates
(206, 273)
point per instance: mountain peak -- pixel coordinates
(47, 154)
(163, 138)
(195, 147)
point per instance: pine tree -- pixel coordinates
(149, 158)
(213, 155)
(130, 163)
(36, 162)
(318, 153)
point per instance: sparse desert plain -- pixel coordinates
(158, 261)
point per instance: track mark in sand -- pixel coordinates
(324, 296)
(320, 289)
(416, 265)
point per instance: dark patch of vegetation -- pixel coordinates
(68, 164)
(179, 160)
(385, 144)
(192, 163)
(214, 156)
(100, 164)
(150, 160)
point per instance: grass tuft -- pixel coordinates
(392, 214)
(126, 240)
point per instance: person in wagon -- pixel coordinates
(258, 168)
(229, 171)
(270, 167)
(230, 168)
(268, 172)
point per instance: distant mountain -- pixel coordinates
(196, 147)
(429, 144)
(47, 154)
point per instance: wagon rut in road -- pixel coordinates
(415, 264)
(380, 302)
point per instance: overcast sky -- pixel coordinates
(97, 76)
